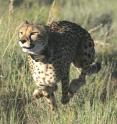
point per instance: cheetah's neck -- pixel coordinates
(44, 56)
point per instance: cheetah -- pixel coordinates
(51, 50)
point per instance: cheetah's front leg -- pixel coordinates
(65, 91)
(52, 101)
(38, 93)
(48, 93)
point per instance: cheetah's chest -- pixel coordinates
(43, 74)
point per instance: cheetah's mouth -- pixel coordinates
(31, 46)
(34, 49)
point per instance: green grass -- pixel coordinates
(94, 103)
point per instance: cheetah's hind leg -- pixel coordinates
(77, 83)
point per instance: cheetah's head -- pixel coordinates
(32, 38)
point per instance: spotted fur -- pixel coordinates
(62, 43)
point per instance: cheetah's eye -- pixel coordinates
(21, 33)
(33, 33)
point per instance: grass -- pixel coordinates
(94, 103)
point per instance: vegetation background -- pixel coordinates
(95, 102)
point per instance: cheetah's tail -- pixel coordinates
(94, 68)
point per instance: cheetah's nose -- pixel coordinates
(23, 41)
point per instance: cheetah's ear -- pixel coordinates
(26, 22)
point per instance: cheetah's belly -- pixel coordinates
(43, 74)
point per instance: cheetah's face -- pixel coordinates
(32, 38)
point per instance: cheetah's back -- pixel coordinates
(78, 40)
